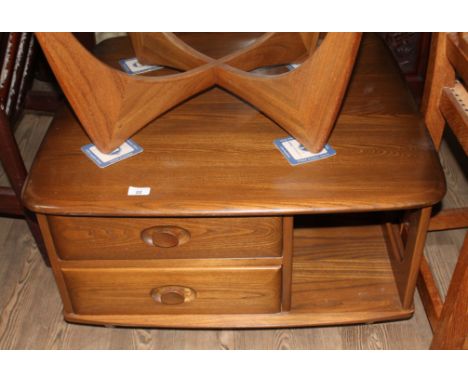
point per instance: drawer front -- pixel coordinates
(170, 290)
(88, 238)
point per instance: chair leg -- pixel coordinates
(452, 330)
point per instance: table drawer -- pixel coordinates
(174, 290)
(88, 238)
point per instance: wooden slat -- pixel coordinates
(463, 42)
(439, 74)
(8, 63)
(429, 294)
(26, 75)
(457, 56)
(9, 203)
(452, 218)
(18, 73)
(454, 107)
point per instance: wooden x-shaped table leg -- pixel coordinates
(112, 106)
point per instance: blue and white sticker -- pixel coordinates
(297, 154)
(132, 66)
(128, 149)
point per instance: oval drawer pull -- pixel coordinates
(165, 236)
(173, 295)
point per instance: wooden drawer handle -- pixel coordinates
(173, 295)
(165, 236)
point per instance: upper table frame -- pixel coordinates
(112, 106)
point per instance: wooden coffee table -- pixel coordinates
(231, 234)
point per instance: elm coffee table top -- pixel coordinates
(214, 156)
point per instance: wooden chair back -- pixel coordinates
(445, 96)
(445, 103)
(16, 60)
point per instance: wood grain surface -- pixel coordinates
(114, 280)
(18, 329)
(29, 294)
(439, 74)
(406, 255)
(305, 102)
(218, 290)
(214, 155)
(110, 104)
(120, 238)
(449, 99)
(329, 285)
(454, 106)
